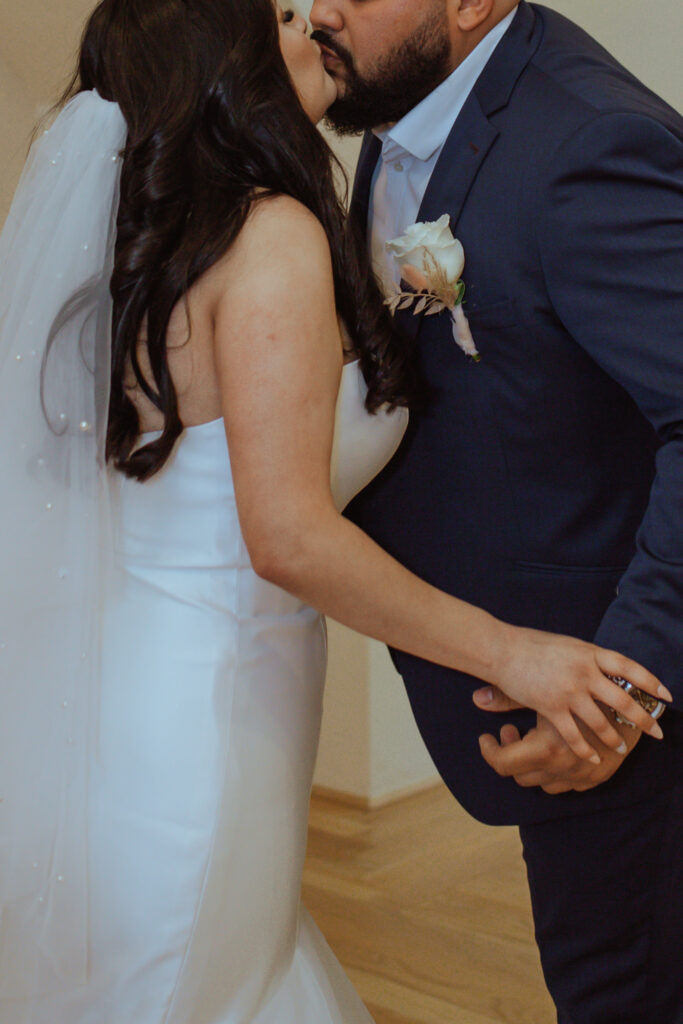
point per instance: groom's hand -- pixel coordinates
(542, 758)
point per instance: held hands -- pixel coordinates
(542, 758)
(565, 681)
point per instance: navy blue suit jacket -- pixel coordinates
(545, 483)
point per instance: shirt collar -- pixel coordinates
(426, 127)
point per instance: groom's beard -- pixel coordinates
(398, 82)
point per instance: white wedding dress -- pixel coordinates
(209, 721)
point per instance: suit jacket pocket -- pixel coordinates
(491, 316)
(570, 599)
(551, 569)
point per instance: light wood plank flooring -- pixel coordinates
(428, 911)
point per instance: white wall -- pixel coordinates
(370, 749)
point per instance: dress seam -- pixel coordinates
(210, 856)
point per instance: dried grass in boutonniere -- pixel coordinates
(431, 263)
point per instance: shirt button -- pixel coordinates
(398, 166)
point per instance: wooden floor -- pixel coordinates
(428, 911)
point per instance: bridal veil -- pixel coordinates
(56, 258)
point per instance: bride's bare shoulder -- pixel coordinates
(282, 242)
(270, 212)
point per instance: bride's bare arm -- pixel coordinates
(279, 361)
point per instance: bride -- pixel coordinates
(197, 375)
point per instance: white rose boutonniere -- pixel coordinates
(431, 261)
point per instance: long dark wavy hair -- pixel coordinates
(213, 118)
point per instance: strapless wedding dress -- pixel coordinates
(209, 721)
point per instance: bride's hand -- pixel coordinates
(563, 679)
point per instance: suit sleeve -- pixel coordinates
(611, 245)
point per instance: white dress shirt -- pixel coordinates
(410, 150)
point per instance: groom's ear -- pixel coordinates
(470, 14)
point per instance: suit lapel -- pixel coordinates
(473, 134)
(497, 81)
(463, 153)
(469, 142)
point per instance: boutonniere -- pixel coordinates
(431, 261)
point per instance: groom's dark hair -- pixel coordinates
(212, 117)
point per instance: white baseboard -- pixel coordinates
(368, 803)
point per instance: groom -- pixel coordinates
(545, 482)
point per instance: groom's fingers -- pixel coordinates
(509, 734)
(542, 759)
(544, 781)
(534, 753)
(507, 758)
(490, 698)
(518, 765)
(489, 746)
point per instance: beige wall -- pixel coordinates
(17, 113)
(38, 41)
(647, 38)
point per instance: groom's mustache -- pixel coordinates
(331, 44)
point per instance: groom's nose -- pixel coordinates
(327, 15)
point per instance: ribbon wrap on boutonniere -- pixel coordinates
(431, 261)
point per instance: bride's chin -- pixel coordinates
(320, 119)
(331, 92)
(326, 101)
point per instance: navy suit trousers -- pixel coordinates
(607, 895)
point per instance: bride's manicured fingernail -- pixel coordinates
(663, 693)
(622, 748)
(484, 696)
(595, 759)
(656, 731)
